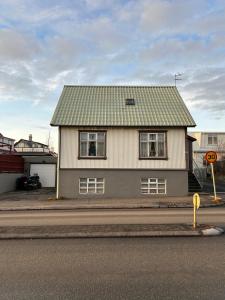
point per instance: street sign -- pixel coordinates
(211, 157)
(196, 200)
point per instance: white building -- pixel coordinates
(6, 144)
(206, 141)
(122, 141)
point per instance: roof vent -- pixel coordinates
(130, 101)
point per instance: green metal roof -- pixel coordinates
(106, 106)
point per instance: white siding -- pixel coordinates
(220, 140)
(122, 151)
(202, 141)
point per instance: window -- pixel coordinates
(153, 186)
(91, 185)
(152, 145)
(130, 101)
(212, 139)
(92, 144)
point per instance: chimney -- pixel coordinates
(30, 137)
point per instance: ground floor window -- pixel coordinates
(91, 185)
(153, 186)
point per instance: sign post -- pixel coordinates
(196, 205)
(211, 158)
(214, 185)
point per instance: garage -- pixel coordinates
(46, 172)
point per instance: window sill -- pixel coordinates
(92, 157)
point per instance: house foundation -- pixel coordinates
(121, 183)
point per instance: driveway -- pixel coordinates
(40, 194)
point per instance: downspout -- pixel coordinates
(58, 162)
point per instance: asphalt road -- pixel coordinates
(131, 268)
(113, 216)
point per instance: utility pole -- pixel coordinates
(49, 137)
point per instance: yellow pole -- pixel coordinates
(194, 221)
(214, 185)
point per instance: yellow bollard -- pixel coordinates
(196, 205)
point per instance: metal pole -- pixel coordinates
(194, 221)
(214, 185)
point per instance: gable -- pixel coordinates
(29, 144)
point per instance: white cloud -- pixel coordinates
(44, 45)
(15, 45)
(204, 89)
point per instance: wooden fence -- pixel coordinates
(11, 163)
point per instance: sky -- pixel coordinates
(45, 44)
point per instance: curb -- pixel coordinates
(101, 235)
(209, 232)
(101, 206)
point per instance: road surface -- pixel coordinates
(113, 216)
(113, 269)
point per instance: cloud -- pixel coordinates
(46, 44)
(205, 90)
(16, 46)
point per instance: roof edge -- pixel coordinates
(125, 85)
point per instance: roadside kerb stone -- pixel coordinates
(120, 230)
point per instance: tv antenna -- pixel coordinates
(177, 76)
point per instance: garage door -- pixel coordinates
(46, 172)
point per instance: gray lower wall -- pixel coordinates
(8, 181)
(121, 183)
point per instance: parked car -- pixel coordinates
(28, 183)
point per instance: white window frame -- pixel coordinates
(153, 184)
(96, 182)
(156, 140)
(213, 137)
(95, 133)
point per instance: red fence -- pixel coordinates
(11, 163)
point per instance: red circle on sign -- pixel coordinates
(211, 157)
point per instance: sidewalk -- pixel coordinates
(45, 200)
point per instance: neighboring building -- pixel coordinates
(38, 159)
(6, 144)
(29, 146)
(11, 165)
(122, 141)
(206, 141)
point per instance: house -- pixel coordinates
(31, 147)
(6, 144)
(207, 141)
(122, 141)
(38, 159)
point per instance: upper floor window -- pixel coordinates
(212, 139)
(152, 145)
(92, 144)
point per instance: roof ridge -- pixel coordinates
(31, 141)
(107, 85)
